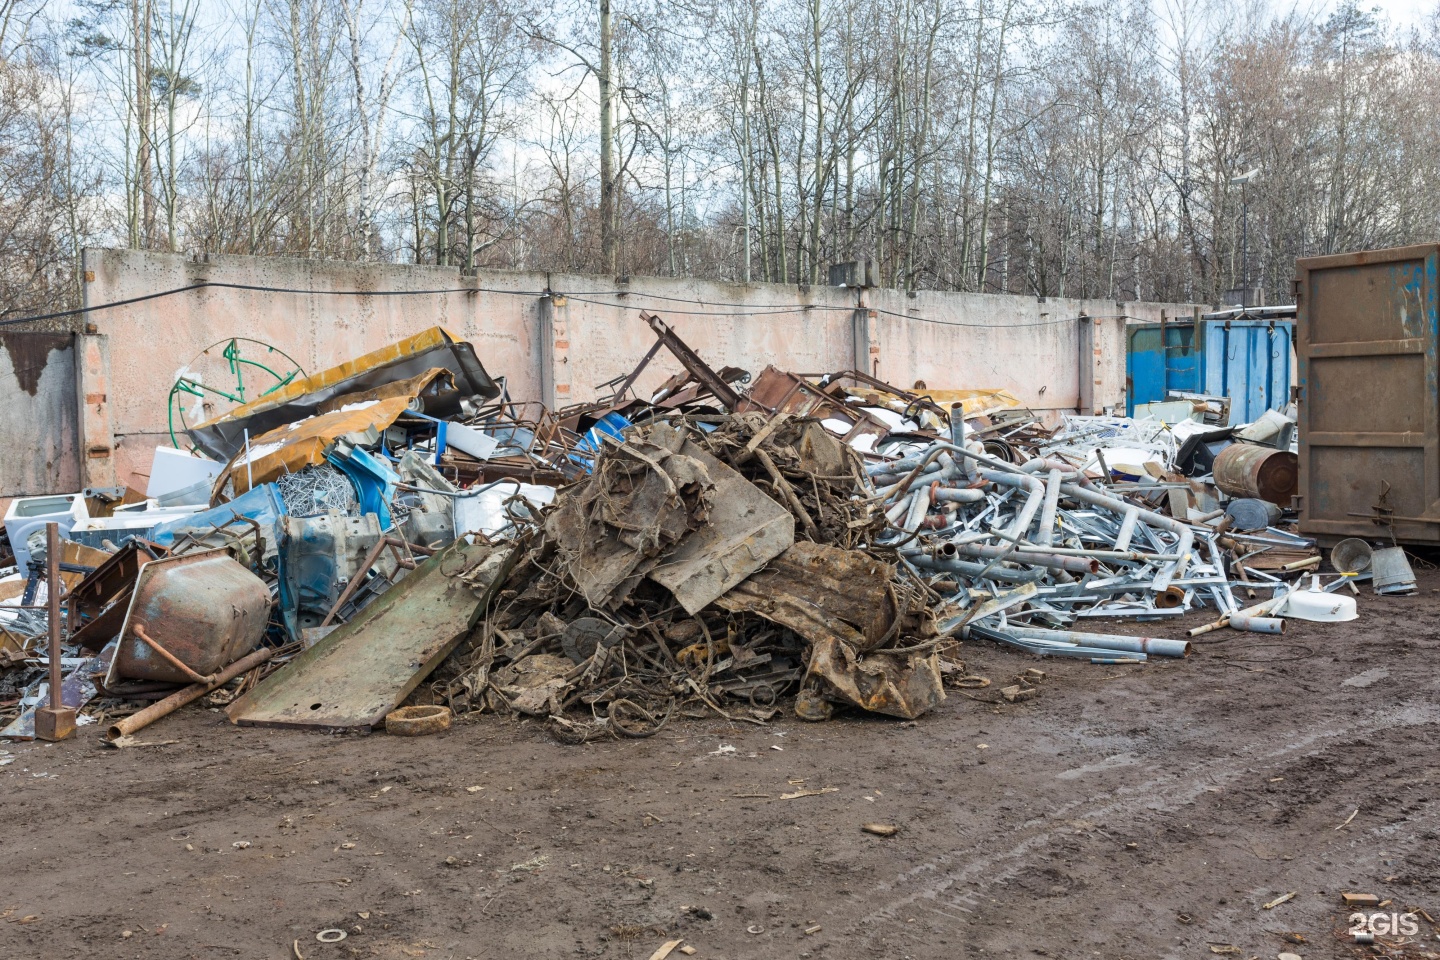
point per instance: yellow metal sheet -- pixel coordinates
(303, 443)
(434, 337)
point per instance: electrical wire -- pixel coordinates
(1002, 326)
(759, 310)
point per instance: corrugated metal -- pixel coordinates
(1247, 360)
(1159, 358)
(1369, 403)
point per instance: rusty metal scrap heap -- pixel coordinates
(704, 570)
(398, 530)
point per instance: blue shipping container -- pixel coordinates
(1246, 359)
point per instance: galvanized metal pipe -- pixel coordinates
(1257, 624)
(922, 558)
(1127, 529)
(919, 506)
(1160, 646)
(899, 510)
(1181, 530)
(1052, 505)
(1034, 486)
(1035, 559)
(1258, 610)
(958, 494)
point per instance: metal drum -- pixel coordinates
(1245, 470)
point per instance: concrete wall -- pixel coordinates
(561, 348)
(38, 415)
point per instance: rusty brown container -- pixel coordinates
(1245, 470)
(204, 610)
(1369, 421)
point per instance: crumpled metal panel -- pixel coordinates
(642, 499)
(746, 530)
(823, 592)
(224, 436)
(897, 685)
(846, 604)
(364, 669)
(204, 608)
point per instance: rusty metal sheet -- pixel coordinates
(780, 392)
(896, 685)
(204, 608)
(823, 592)
(745, 530)
(102, 598)
(364, 669)
(1369, 426)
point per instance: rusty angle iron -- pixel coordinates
(188, 617)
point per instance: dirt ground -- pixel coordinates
(1128, 812)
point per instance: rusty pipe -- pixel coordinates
(169, 657)
(163, 708)
(52, 608)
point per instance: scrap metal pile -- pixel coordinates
(397, 530)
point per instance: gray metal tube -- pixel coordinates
(1257, 624)
(958, 494)
(1127, 529)
(919, 506)
(1033, 485)
(1050, 560)
(899, 510)
(921, 558)
(1181, 530)
(1047, 513)
(1160, 646)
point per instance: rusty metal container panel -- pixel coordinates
(1369, 400)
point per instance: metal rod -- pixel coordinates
(52, 605)
(178, 699)
(169, 657)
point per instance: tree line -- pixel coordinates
(1121, 149)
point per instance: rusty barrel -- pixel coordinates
(1246, 470)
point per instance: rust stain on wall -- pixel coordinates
(30, 355)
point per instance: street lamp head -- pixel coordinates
(1246, 177)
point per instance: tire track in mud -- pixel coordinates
(938, 877)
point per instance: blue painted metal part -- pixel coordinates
(1159, 359)
(374, 481)
(611, 425)
(262, 504)
(1247, 360)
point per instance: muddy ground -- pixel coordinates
(1128, 812)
